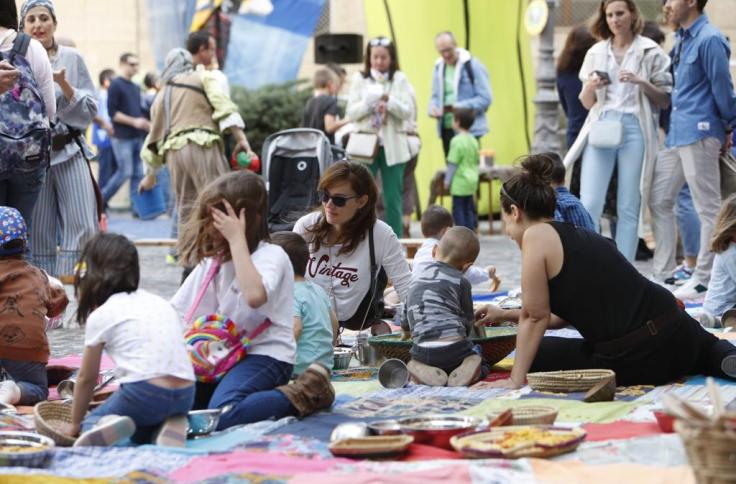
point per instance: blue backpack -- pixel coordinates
(25, 136)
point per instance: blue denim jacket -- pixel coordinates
(703, 101)
(474, 95)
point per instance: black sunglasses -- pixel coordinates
(338, 200)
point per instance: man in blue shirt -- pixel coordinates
(459, 80)
(701, 124)
(129, 128)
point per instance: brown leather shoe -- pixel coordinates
(311, 391)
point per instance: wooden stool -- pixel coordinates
(488, 174)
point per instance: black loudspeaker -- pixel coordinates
(338, 48)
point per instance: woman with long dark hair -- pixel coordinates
(380, 103)
(578, 41)
(351, 252)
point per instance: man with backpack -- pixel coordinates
(459, 80)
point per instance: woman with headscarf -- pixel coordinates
(67, 200)
(188, 118)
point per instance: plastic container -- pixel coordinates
(149, 204)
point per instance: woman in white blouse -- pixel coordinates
(626, 80)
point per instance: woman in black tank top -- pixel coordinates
(572, 276)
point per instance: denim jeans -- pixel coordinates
(598, 165)
(130, 167)
(31, 377)
(107, 164)
(21, 190)
(148, 405)
(689, 223)
(463, 211)
(249, 387)
(448, 357)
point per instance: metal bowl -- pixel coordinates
(342, 358)
(393, 374)
(437, 430)
(203, 422)
(349, 430)
(385, 427)
(28, 449)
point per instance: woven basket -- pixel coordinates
(493, 348)
(47, 415)
(531, 415)
(711, 452)
(567, 381)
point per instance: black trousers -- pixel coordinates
(683, 348)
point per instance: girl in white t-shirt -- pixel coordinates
(254, 283)
(141, 333)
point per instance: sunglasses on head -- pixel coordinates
(382, 41)
(337, 200)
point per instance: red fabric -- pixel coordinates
(428, 452)
(498, 375)
(622, 429)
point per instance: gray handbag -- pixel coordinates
(606, 134)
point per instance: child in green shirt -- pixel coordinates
(461, 178)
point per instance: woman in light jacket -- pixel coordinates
(67, 201)
(626, 80)
(380, 102)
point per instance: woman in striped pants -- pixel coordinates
(67, 199)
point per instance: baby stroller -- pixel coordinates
(293, 161)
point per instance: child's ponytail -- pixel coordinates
(725, 230)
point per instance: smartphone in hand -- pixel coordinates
(603, 75)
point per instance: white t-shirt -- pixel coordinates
(346, 278)
(223, 296)
(474, 274)
(142, 334)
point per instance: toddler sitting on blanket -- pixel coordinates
(27, 297)
(439, 313)
(436, 220)
(315, 324)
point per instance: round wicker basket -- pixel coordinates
(711, 452)
(531, 415)
(48, 415)
(567, 381)
(494, 347)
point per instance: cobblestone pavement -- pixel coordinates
(163, 279)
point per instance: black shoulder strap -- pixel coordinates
(188, 86)
(20, 45)
(468, 66)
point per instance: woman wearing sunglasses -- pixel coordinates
(380, 103)
(351, 252)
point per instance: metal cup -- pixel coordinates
(393, 374)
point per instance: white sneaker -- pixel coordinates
(108, 431)
(9, 392)
(692, 289)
